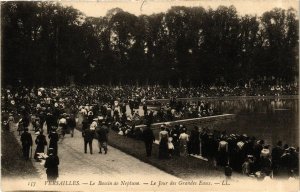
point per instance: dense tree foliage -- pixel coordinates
(44, 43)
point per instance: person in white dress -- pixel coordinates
(183, 139)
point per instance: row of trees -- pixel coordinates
(46, 43)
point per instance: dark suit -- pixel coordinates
(149, 138)
(50, 121)
(71, 123)
(194, 144)
(102, 138)
(53, 136)
(26, 140)
(276, 155)
(51, 164)
(88, 139)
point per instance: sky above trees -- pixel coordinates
(138, 7)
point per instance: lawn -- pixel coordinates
(182, 167)
(13, 164)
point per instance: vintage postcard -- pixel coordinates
(150, 95)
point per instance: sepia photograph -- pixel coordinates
(150, 95)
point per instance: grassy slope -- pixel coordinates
(12, 162)
(183, 167)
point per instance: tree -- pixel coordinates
(45, 43)
(279, 28)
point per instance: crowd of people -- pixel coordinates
(100, 108)
(72, 97)
(39, 101)
(247, 155)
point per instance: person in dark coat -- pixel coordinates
(150, 118)
(277, 152)
(102, 136)
(40, 142)
(285, 163)
(148, 138)
(52, 162)
(294, 160)
(88, 135)
(50, 121)
(53, 136)
(256, 152)
(131, 106)
(123, 108)
(123, 119)
(265, 164)
(145, 108)
(228, 172)
(85, 124)
(26, 141)
(25, 120)
(194, 143)
(71, 124)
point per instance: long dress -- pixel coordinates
(223, 153)
(41, 142)
(183, 138)
(163, 152)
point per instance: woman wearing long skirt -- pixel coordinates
(163, 152)
(40, 142)
(183, 138)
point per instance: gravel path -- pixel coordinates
(75, 163)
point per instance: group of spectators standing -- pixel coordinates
(94, 128)
(52, 160)
(71, 97)
(242, 153)
(100, 108)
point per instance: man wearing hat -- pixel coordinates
(102, 132)
(277, 152)
(71, 123)
(88, 135)
(53, 136)
(26, 140)
(52, 162)
(149, 138)
(50, 121)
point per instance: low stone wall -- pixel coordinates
(195, 99)
(196, 121)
